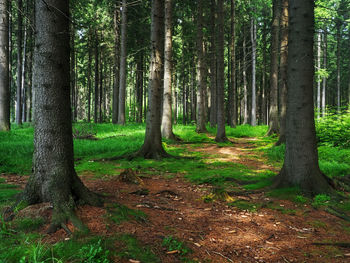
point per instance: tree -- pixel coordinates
(19, 63)
(122, 68)
(213, 91)
(201, 74)
(273, 111)
(232, 90)
(116, 64)
(152, 147)
(54, 179)
(4, 67)
(221, 134)
(300, 166)
(167, 122)
(253, 40)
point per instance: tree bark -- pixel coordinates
(273, 112)
(318, 67)
(89, 71)
(324, 81)
(253, 40)
(167, 123)
(233, 90)
(4, 67)
(122, 68)
(338, 37)
(221, 133)
(245, 84)
(300, 167)
(213, 90)
(139, 84)
(97, 72)
(152, 147)
(116, 63)
(54, 179)
(201, 74)
(19, 63)
(283, 70)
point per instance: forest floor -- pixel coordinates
(175, 220)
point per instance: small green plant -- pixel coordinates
(84, 131)
(172, 244)
(300, 199)
(28, 224)
(94, 253)
(320, 200)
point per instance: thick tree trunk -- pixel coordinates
(253, 40)
(283, 70)
(301, 158)
(273, 112)
(201, 72)
(232, 91)
(213, 91)
(116, 63)
(54, 179)
(152, 147)
(19, 63)
(122, 68)
(167, 123)
(221, 133)
(4, 67)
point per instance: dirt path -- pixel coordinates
(214, 231)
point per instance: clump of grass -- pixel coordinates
(121, 213)
(321, 200)
(28, 224)
(173, 244)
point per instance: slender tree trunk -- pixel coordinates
(318, 59)
(221, 134)
(167, 123)
(213, 90)
(139, 84)
(19, 62)
(23, 73)
(273, 112)
(89, 77)
(152, 147)
(253, 40)
(201, 74)
(54, 179)
(324, 81)
(232, 90)
(338, 26)
(245, 84)
(97, 71)
(116, 63)
(264, 71)
(283, 70)
(122, 68)
(72, 71)
(4, 67)
(301, 158)
(101, 78)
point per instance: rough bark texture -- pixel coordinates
(283, 70)
(4, 67)
(201, 74)
(221, 133)
(232, 91)
(122, 68)
(19, 63)
(167, 123)
(213, 91)
(152, 147)
(54, 179)
(253, 40)
(301, 159)
(116, 64)
(273, 111)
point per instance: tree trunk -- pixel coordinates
(101, 78)
(283, 70)
(54, 179)
(324, 81)
(273, 112)
(97, 71)
(167, 123)
(213, 91)
(338, 27)
(139, 91)
(253, 40)
(245, 84)
(89, 77)
(4, 67)
(221, 134)
(23, 73)
(122, 68)
(232, 91)
(300, 167)
(19, 63)
(201, 74)
(116, 63)
(72, 71)
(318, 67)
(152, 147)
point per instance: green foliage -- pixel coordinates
(300, 199)
(173, 244)
(120, 213)
(84, 130)
(321, 200)
(94, 253)
(245, 205)
(28, 224)
(132, 249)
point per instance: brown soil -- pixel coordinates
(214, 231)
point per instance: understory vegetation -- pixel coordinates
(96, 144)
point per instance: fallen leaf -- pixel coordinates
(134, 261)
(172, 252)
(198, 245)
